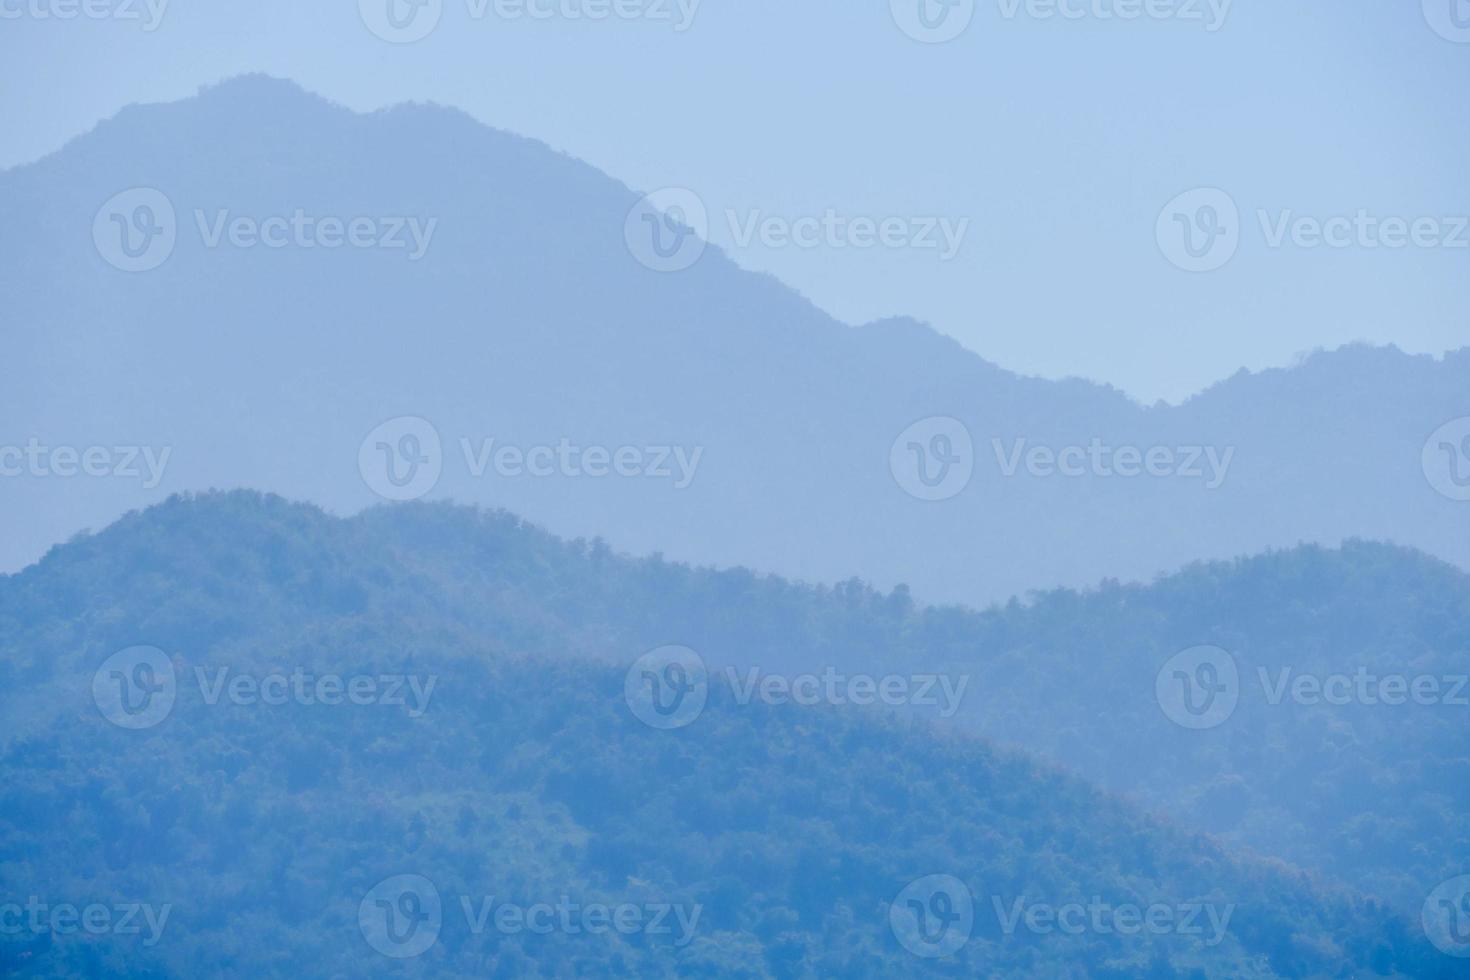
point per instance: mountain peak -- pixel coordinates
(257, 85)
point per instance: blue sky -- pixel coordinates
(1054, 139)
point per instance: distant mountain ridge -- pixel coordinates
(528, 320)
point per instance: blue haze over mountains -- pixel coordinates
(527, 320)
(280, 392)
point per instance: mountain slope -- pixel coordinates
(1368, 792)
(784, 834)
(528, 321)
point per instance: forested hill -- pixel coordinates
(514, 767)
(1367, 791)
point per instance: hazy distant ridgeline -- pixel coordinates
(515, 311)
(265, 827)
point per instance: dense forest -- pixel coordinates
(527, 776)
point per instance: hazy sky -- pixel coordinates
(1047, 138)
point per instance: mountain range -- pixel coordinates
(255, 287)
(266, 833)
